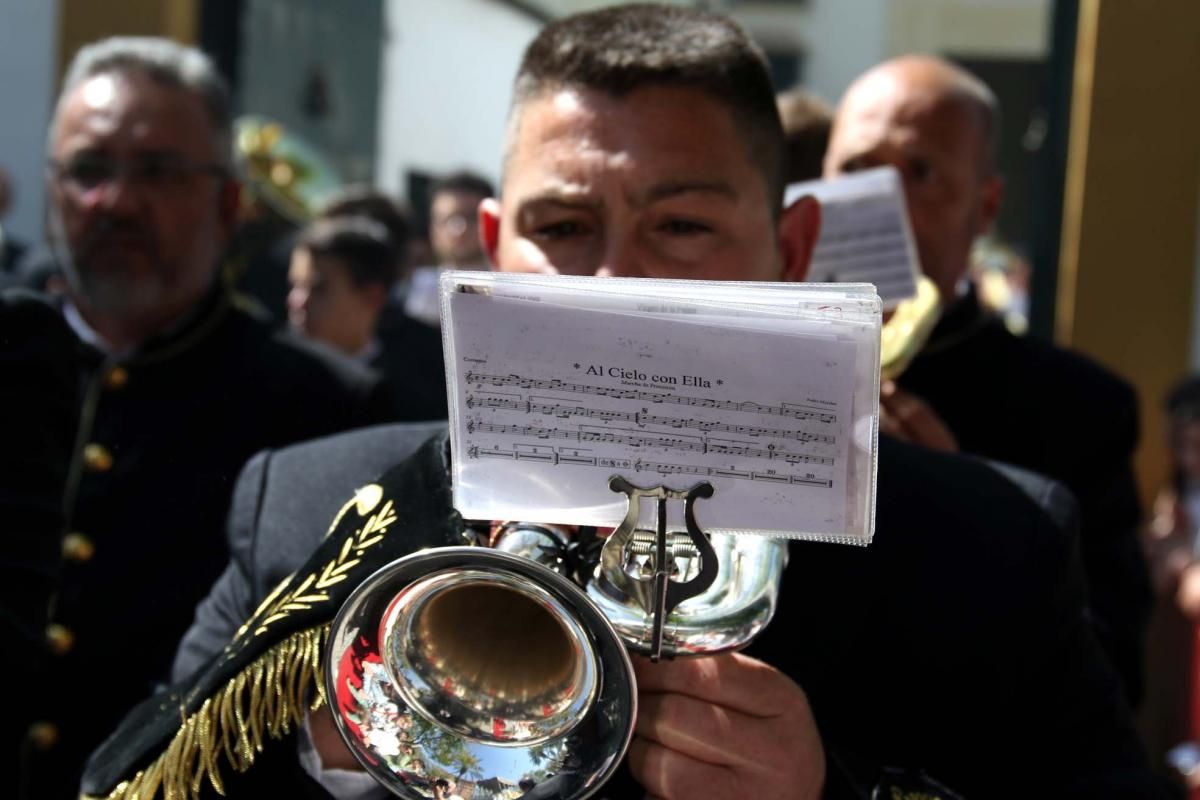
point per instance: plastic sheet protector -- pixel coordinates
(769, 392)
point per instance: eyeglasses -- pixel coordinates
(85, 173)
(456, 223)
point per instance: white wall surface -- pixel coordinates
(447, 74)
(843, 38)
(28, 51)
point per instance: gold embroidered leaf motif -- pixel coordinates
(283, 602)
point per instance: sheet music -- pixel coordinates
(865, 235)
(550, 401)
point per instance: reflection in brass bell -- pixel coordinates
(43, 735)
(96, 458)
(77, 547)
(59, 638)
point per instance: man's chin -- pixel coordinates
(121, 289)
(115, 300)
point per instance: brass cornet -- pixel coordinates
(490, 666)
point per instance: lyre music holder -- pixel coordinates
(658, 594)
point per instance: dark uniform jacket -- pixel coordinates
(39, 404)
(1026, 402)
(956, 643)
(410, 360)
(165, 432)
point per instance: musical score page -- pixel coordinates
(549, 402)
(865, 234)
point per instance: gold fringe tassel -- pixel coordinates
(234, 725)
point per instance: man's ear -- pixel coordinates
(376, 295)
(991, 195)
(229, 206)
(799, 227)
(489, 228)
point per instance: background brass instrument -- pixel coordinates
(908, 329)
(281, 170)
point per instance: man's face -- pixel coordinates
(135, 195)
(658, 183)
(325, 304)
(454, 228)
(936, 144)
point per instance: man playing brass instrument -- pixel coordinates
(974, 385)
(644, 141)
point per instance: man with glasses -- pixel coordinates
(453, 228)
(182, 384)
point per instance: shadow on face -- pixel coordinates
(657, 183)
(138, 192)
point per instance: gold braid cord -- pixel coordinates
(264, 699)
(270, 694)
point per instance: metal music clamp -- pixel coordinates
(658, 594)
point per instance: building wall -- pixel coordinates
(842, 38)
(316, 69)
(28, 60)
(445, 86)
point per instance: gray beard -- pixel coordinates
(116, 294)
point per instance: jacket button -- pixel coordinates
(77, 547)
(43, 735)
(59, 638)
(116, 378)
(96, 458)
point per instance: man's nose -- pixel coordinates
(118, 194)
(622, 259)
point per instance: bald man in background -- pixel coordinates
(975, 387)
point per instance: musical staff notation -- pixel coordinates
(639, 465)
(748, 406)
(642, 439)
(564, 411)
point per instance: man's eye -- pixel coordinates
(853, 165)
(920, 170)
(684, 227)
(157, 171)
(559, 230)
(89, 173)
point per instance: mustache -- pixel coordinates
(117, 228)
(107, 229)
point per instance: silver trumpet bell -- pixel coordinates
(485, 668)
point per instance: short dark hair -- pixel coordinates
(360, 243)
(364, 201)
(463, 181)
(621, 49)
(807, 121)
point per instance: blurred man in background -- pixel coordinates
(975, 386)
(182, 384)
(454, 220)
(341, 275)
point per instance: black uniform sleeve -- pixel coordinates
(230, 602)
